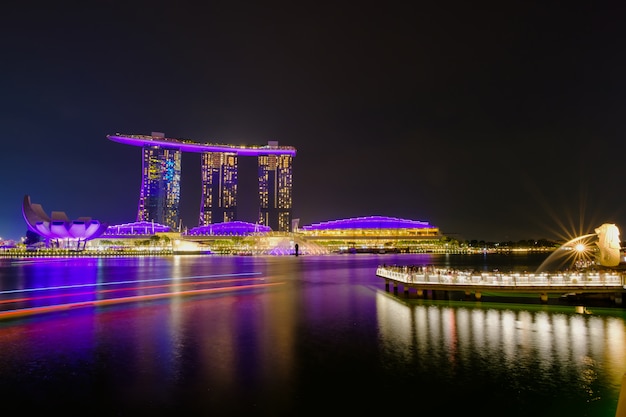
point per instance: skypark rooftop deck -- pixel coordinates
(186, 145)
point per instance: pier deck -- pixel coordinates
(577, 282)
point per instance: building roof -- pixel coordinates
(183, 145)
(238, 228)
(136, 228)
(369, 222)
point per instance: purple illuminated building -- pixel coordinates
(236, 228)
(219, 188)
(159, 196)
(58, 229)
(374, 233)
(378, 223)
(135, 229)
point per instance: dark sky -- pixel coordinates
(491, 120)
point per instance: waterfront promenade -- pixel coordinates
(441, 279)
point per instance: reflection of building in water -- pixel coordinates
(218, 350)
(438, 335)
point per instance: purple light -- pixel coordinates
(136, 228)
(39, 222)
(135, 281)
(369, 222)
(187, 146)
(236, 228)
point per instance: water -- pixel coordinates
(562, 259)
(287, 336)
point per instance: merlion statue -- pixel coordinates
(609, 244)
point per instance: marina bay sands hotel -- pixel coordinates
(159, 197)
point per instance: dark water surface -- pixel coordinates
(278, 336)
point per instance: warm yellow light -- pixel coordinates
(580, 247)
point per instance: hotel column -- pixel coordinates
(275, 191)
(219, 188)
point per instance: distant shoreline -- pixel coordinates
(65, 253)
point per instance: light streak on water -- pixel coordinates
(93, 284)
(108, 301)
(147, 287)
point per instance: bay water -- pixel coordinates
(291, 336)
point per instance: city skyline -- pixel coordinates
(493, 121)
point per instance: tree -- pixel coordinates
(31, 238)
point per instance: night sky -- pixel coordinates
(493, 121)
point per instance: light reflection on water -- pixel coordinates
(537, 351)
(325, 336)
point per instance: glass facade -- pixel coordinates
(275, 191)
(159, 198)
(219, 188)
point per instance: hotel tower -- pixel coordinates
(159, 197)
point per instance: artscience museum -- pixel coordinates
(58, 230)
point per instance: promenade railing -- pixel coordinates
(574, 279)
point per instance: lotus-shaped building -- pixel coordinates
(58, 229)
